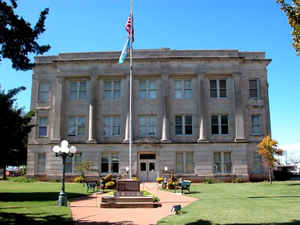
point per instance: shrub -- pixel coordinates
(134, 178)
(210, 180)
(171, 185)
(78, 179)
(107, 178)
(22, 179)
(109, 184)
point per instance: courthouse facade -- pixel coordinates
(199, 113)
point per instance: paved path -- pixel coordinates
(86, 211)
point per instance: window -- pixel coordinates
(183, 89)
(76, 126)
(78, 90)
(147, 126)
(110, 163)
(111, 126)
(184, 162)
(41, 162)
(222, 162)
(147, 89)
(218, 88)
(72, 163)
(43, 121)
(44, 92)
(253, 88)
(255, 125)
(112, 89)
(219, 124)
(183, 125)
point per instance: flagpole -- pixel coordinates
(130, 93)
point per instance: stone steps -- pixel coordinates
(128, 205)
(111, 199)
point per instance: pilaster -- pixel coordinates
(202, 110)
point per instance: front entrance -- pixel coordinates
(147, 167)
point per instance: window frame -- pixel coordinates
(148, 89)
(110, 162)
(38, 168)
(112, 90)
(79, 89)
(111, 126)
(44, 126)
(185, 163)
(150, 125)
(182, 89)
(257, 88)
(77, 124)
(218, 90)
(41, 92)
(183, 125)
(222, 162)
(220, 124)
(74, 163)
(258, 125)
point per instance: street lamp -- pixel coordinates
(63, 150)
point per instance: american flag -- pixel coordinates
(128, 27)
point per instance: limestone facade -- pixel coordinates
(199, 113)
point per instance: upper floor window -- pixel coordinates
(110, 163)
(255, 125)
(218, 88)
(183, 88)
(219, 124)
(147, 89)
(222, 162)
(253, 88)
(42, 126)
(41, 162)
(44, 90)
(147, 126)
(112, 89)
(111, 126)
(78, 90)
(184, 162)
(72, 163)
(76, 126)
(183, 125)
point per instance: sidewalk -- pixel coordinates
(86, 211)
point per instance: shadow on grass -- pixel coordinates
(34, 196)
(206, 222)
(18, 219)
(286, 196)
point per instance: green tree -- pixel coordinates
(268, 149)
(84, 167)
(292, 11)
(14, 130)
(17, 38)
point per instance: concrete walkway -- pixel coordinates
(86, 211)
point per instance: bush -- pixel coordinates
(210, 180)
(107, 178)
(109, 184)
(22, 179)
(159, 179)
(78, 179)
(171, 185)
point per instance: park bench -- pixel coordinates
(185, 185)
(91, 185)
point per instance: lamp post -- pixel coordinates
(63, 150)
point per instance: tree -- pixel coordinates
(268, 149)
(17, 38)
(14, 130)
(84, 167)
(293, 13)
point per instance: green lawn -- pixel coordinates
(35, 203)
(246, 203)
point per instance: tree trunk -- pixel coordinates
(4, 172)
(270, 175)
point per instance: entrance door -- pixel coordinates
(147, 167)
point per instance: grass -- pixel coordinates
(35, 203)
(241, 203)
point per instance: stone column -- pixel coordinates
(164, 109)
(125, 109)
(92, 102)
(238, 106)
(202, 110)
(58, 102)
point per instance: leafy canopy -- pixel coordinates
(268, 149)
(292, 11)
(17, 38)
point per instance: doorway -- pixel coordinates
(147, 167)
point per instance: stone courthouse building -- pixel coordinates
(199, 113)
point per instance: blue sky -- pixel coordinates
(248, 25)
